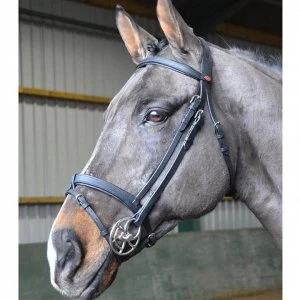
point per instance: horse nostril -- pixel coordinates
(66, 254)
(68, 249)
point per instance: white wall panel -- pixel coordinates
(72, 61)
(25, 55)
(35, 222)
(69, 60)
(56, 140)
(37, 52)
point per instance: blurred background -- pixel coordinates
(72, 61)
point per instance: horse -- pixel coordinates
(158, 162)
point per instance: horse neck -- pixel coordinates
(249, 101)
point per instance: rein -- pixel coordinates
(125, 234)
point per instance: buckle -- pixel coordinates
(81, 200)
(198, 116)
(197, 123)
(193, 99)
(194, 102)
(151, 240)
(124, 236)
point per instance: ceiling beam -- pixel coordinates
(251, 35)
(63, 96)
(231, 30)
(60, 200)
(131, 6)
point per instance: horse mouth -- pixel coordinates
(102, 278)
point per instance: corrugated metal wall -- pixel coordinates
(35, 222)
(229, 215)
(67, 60)
(77, 59)
(70, 60)
(57, 137)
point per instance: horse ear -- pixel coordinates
(177, 32)
(138, 41)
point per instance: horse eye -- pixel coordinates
(156, 116)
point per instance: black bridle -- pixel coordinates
(125, 234)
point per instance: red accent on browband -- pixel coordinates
(207, 78)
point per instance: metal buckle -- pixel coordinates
(124, 236)
(194, 102)
(217, 123)
(78, 196)
(81, 201)
(151, 240)
(198, 116)
(194, 98)
(195, 127)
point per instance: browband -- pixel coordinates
(173, 65)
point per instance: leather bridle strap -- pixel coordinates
(171, 64)
(194, 113)
(205, 78)
(207, 70)
(154, 195)
(86, 206)
(107, 188)
(150, 193)
(193, 107)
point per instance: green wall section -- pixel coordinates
(189, 225)
(189, 265)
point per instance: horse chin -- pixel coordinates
(102, 279)
(95, 286)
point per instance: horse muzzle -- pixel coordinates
(71, 274)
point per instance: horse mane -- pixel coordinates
(267, 62)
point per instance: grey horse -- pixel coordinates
(139, 125)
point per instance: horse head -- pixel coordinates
(140, 124)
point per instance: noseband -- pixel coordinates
(125, 234)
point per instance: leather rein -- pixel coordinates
(125, 234)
